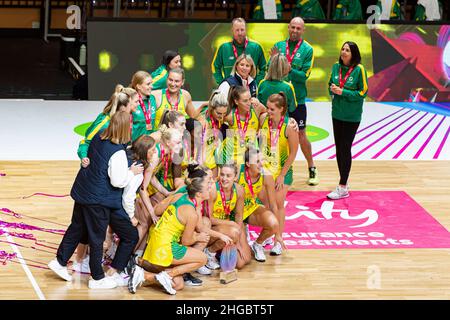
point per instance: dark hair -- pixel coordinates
(170, 116)
(168, 56)
(251, 150)
(195, 170)
(280, 100)
(356, 55)
(140, 149)
(194, 185)
(235, 94)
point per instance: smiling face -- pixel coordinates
(145, 88)
(175, 62)
(296, 28)
(346, 54)
(273, 110)
(174, 82)
(243, 68)
(227, 177)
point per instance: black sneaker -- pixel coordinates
(190, 280)
(313, 179)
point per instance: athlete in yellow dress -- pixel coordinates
(211, 135)
(169, 254)
(254, 182)
(243, 121)
(226, 205)
(279, 145)
(174, 98)
(158, 181)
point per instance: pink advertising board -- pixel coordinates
(367, 219)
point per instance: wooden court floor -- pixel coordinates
(298, 274)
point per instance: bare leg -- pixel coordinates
(266, 219)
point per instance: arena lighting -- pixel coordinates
(224, 3)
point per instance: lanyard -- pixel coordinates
(297, 46)
(274, 141)
(168, 100)
(235, 50)
(342, 82)
(249, 182)
(226, 207)
(165, 161)
(242, 132)
(147, 112)
(214, 125)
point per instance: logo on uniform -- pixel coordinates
(350, 79)
(231, 58)
(298, 55)
(335, 77)
(137, 111)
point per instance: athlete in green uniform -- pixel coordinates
(258, 12)
(308, 9)
(348, 10)
(227, 53)
(300, 56)
(170, 60)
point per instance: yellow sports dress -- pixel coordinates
(251, 201)
(234, 147)
(165, 105)
(164, 239)
(218, 208)
(211, 142)
(159, 171)
(275, 157)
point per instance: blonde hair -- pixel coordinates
(249, 60)
(138, 78)
(218, 99)
(118, 130)
(120, 98)
(278, 69)
(168, 134)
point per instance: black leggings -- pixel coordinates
(344, 134)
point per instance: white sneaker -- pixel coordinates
(204, 270)
(212, 263)
(60, 270)
(136, 279)
(268, 242)
(139, 253)
(276, 250)
(258, 250)
(165, 281)
(82, 267)
(105, 283)
(338, 193)
(121, 279)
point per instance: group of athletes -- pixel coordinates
(165, 186)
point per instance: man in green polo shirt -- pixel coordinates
(299, 54)
(228, 52)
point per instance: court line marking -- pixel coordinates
(24, 265)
